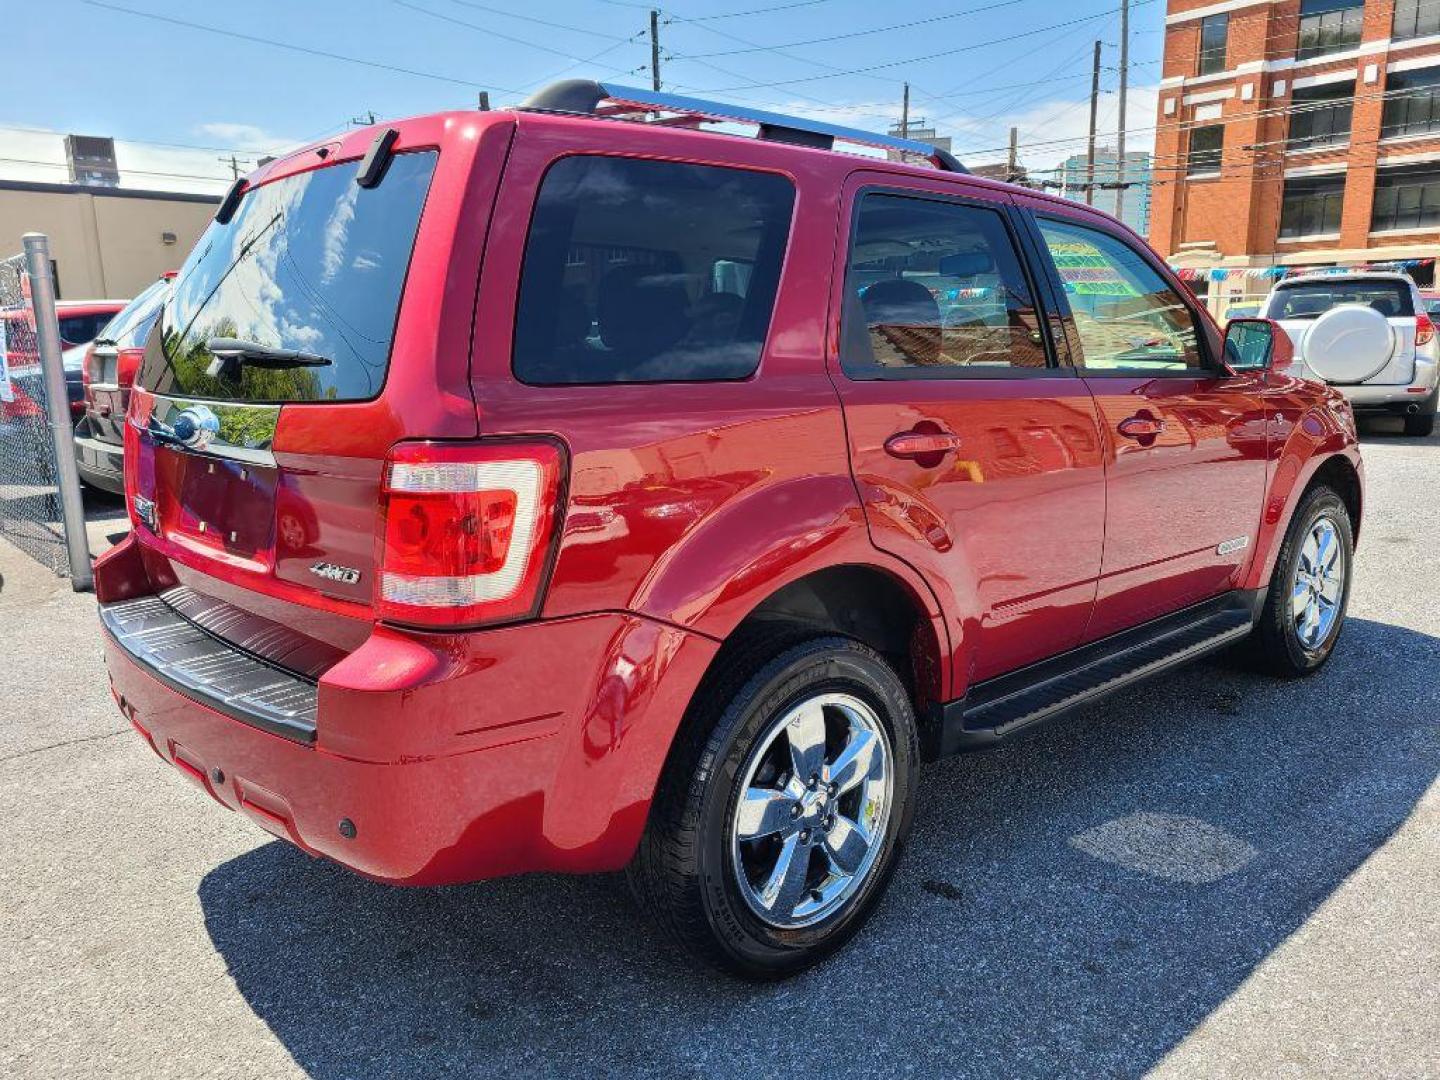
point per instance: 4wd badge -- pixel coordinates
(331, 572)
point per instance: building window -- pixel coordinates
(1328, 26)
(1214, 31)
(1412, 103)
(1320, 115)
(1207, 147)
(1407, 198)
(1312, 206)
(1416, 18)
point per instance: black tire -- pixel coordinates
(1420, 426)
(1276, 646)
(684, 873)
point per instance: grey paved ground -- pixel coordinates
(1215, 876)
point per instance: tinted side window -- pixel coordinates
(935, 287)
(649, 271)
(1126, 315)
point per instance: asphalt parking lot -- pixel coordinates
(1216, 875)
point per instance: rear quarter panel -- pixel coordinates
(689, 503)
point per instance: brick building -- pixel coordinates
(1298, 133)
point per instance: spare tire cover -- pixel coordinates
(1349, 344)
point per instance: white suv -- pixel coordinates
(1367, 334)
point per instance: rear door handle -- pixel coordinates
(910, 445)
(1143, 429)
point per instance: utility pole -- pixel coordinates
(1124, 86)
(1094, 120)
(905, 114)
(234, 164)
(655, 50)
(1012, 162)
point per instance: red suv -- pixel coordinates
(570, 488)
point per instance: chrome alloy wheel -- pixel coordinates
(1319, 584)
(813, 809)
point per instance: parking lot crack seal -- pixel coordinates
(60, 745)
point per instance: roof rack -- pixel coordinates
(586, 97)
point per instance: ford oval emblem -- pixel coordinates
(197, 427)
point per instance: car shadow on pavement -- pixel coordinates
(1074, 903)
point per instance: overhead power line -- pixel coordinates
(861, 33)
(126, 172)
(758, 11)
(889, 64)
(305, 50)
(489, 32)
(538, 21)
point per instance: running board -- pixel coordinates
(998, 708)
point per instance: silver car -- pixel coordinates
(1367, 334)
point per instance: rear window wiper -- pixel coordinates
(233, 351)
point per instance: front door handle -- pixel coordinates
(1143, 428)
(913, 445)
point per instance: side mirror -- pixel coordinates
(1257, 345)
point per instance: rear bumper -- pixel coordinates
(101, 464)
(1416, 396)
(439, 760)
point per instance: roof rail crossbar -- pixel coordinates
(586, 97)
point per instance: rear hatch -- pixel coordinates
(258, 434)
(1296, 307)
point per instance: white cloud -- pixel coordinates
(244, 137)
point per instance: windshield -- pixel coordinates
(1312, 299)
(312, 263)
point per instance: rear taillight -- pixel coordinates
(127, 366)
(1424, 329)
(86, 375)
(468, 531)
(130, 464)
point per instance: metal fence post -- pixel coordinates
(47, 340)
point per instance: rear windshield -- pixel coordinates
(130, 328)
(1314, 298)
(312, 264)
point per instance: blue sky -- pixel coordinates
(151, 82)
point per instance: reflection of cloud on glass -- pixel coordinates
(337, 233)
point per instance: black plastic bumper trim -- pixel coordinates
(212, 672)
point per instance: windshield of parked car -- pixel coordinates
(1311, 299)
(312, 263)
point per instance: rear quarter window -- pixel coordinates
(649, 271)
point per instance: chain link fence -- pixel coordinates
(31, 517)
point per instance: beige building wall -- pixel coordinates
(108, 244)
